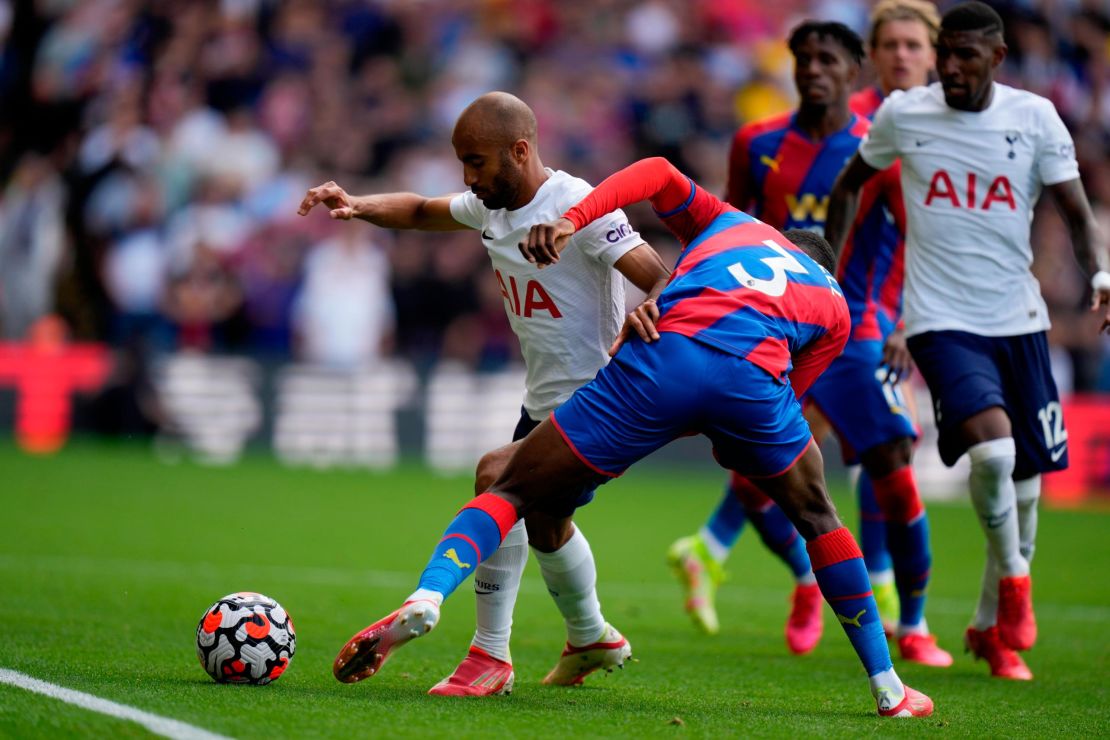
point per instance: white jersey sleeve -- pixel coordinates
(880, 146)
(468, 210)
(1055, 156)
(608, 238)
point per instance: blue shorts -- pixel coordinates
(650, 394)
(864, 410)
(967, 373)
(560, 509)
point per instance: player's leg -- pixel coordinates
(698, 559)
(605, 426)
(842, 576)
(487, 667)
(888, 467)
(872, 540)
(805, 623)
(542, 468)
(965, 374)
(567, 565)
(760, 433)
(981, 638)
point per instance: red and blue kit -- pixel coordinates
(747, 322)
(787, 178)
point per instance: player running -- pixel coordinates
(746, 315)
(784, 167)
(566, 319)
(975, 156)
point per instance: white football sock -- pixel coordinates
(571, 577)
(995, 501)
(717, 549)
(426, 594)
(1028, 496)
(1028, 493)
(496, 585)
(986, 614)
(887, 688)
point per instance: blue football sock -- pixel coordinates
(908, 541)
(726, 523)
(475, 533)
(780, 537)
(842, 576)
(872, 528)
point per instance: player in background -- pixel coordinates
(901, 46)
(784, 168)
(747, 321)
(975, 156)
(565, 318)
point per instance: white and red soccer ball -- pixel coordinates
(245, 638)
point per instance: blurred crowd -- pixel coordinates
(152, 154)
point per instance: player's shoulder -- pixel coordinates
(566, 190)
(921, 99)
(757, 128)
(1022, 104)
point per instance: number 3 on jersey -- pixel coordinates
(779, 265)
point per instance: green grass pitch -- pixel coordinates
(108, 559)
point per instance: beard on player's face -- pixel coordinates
(503, 186)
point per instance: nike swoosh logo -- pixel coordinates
(487, 236)
(922, 142)
(1057, 454)
(482, 593)
(994, 522)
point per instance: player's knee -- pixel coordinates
(485, 475)
(547, 533)
(888, 457)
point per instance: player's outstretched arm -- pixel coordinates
(844, 201)
(1088, 241)
(387, 210)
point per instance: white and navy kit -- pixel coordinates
(970, 181)
(567, 314)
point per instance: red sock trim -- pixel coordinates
(832, 548)
(500, 510)
(467, 540)
(897, 496)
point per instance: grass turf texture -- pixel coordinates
(108, 559)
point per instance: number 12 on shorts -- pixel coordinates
(1052, 424)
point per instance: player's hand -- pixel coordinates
(339, 204)
(896, 356)
(642, 321)
(1100, 300)
(544, 242)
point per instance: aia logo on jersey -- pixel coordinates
(535, 297)
(997, 194)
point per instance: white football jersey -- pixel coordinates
(970, 181)
(567, 314)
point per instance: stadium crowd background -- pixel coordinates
(152, 155)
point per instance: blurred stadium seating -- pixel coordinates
(152, 154)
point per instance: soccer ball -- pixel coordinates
(245, 638)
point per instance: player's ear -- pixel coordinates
(998, 53)
(521, 150)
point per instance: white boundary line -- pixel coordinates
(163, 726)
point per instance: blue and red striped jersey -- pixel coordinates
(866, 101)
(784, 178)
(739, 285)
